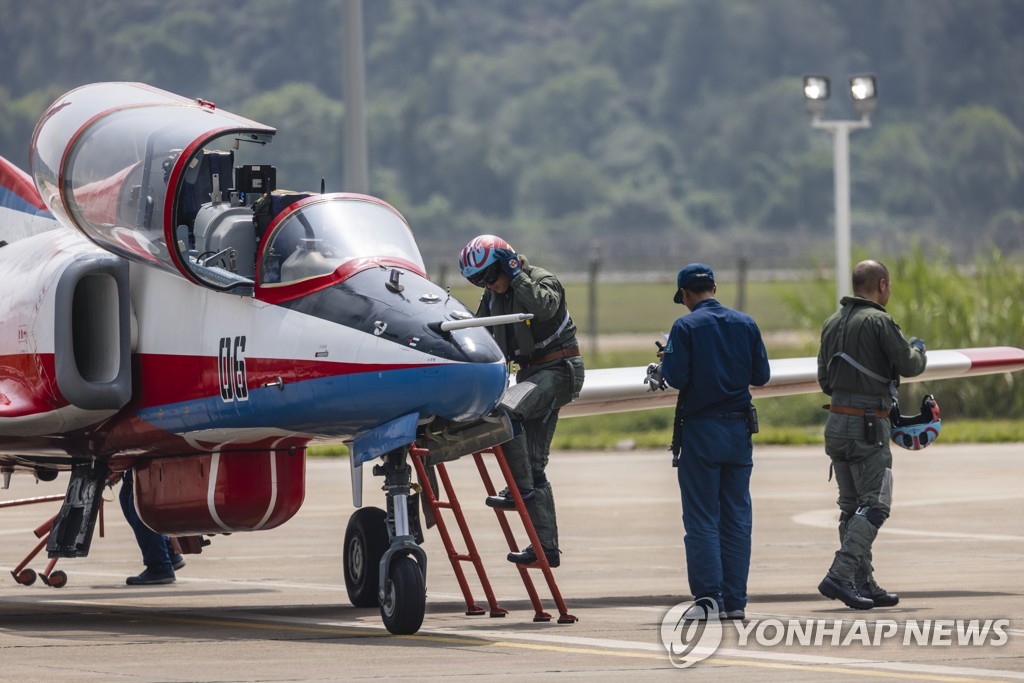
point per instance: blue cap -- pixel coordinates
(690, 275)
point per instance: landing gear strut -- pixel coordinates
(384, 564)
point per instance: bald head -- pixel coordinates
(871, 281)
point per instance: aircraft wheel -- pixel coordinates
(405, 598)
(26, 577)
(57, 579)
(366, 540)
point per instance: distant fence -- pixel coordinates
(643, 257)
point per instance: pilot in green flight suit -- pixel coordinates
(863, 353)
(550, 373)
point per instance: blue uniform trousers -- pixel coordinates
(714, 481)
(156, 548)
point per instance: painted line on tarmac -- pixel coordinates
(828, 518)
(620, 648)
(549, 642)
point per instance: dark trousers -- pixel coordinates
(535, 400)
(714, 481)
(863, 472)
(156, 548)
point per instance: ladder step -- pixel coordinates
(432, 488)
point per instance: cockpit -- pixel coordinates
(281, 243)
(171, 182)
(323, 233)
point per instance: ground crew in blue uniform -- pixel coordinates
(863, 353)
(157, 550)
(713, 356)
(550, 373)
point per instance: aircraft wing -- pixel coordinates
(618, 390)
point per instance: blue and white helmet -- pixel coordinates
(479, 254)
(917, 431)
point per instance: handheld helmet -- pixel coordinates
(917, 431)
(478, 261)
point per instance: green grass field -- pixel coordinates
(647, 307)
(652, 429)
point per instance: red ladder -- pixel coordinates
(417, 455)
(456, 558)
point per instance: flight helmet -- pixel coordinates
(478, 261)
(917, 431)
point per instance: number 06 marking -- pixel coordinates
(231, 369)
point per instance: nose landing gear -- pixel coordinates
(384, 564)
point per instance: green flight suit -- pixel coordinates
(863, 466)
(540, 390)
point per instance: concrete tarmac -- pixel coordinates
(271, 605)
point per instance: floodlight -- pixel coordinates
(864, 91)
(816, 93)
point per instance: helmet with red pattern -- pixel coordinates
(478, 261)
(917, 431)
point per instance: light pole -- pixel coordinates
(355, 174)
(864, 91)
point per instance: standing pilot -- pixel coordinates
(862, 354)
(550, 373)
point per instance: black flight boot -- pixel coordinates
(529, 556)
(834, 589)
(878, 595)
(504, 500)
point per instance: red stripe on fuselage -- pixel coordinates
(28, 385)
(28, 382)
(166, 379)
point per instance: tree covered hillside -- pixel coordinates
(654, 130)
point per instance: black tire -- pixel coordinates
(405, 599)
(366, 540)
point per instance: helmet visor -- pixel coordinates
(487, 276)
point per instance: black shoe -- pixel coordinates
(178, 562)
(504, 500)
(529, 556)
(148, 578)
(835, 589)
(879, 596)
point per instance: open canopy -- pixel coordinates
(113, 160)
(153, 177)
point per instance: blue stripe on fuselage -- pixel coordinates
(345, 404)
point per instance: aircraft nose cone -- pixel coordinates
(468, 391)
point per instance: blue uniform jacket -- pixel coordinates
(713, 356)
